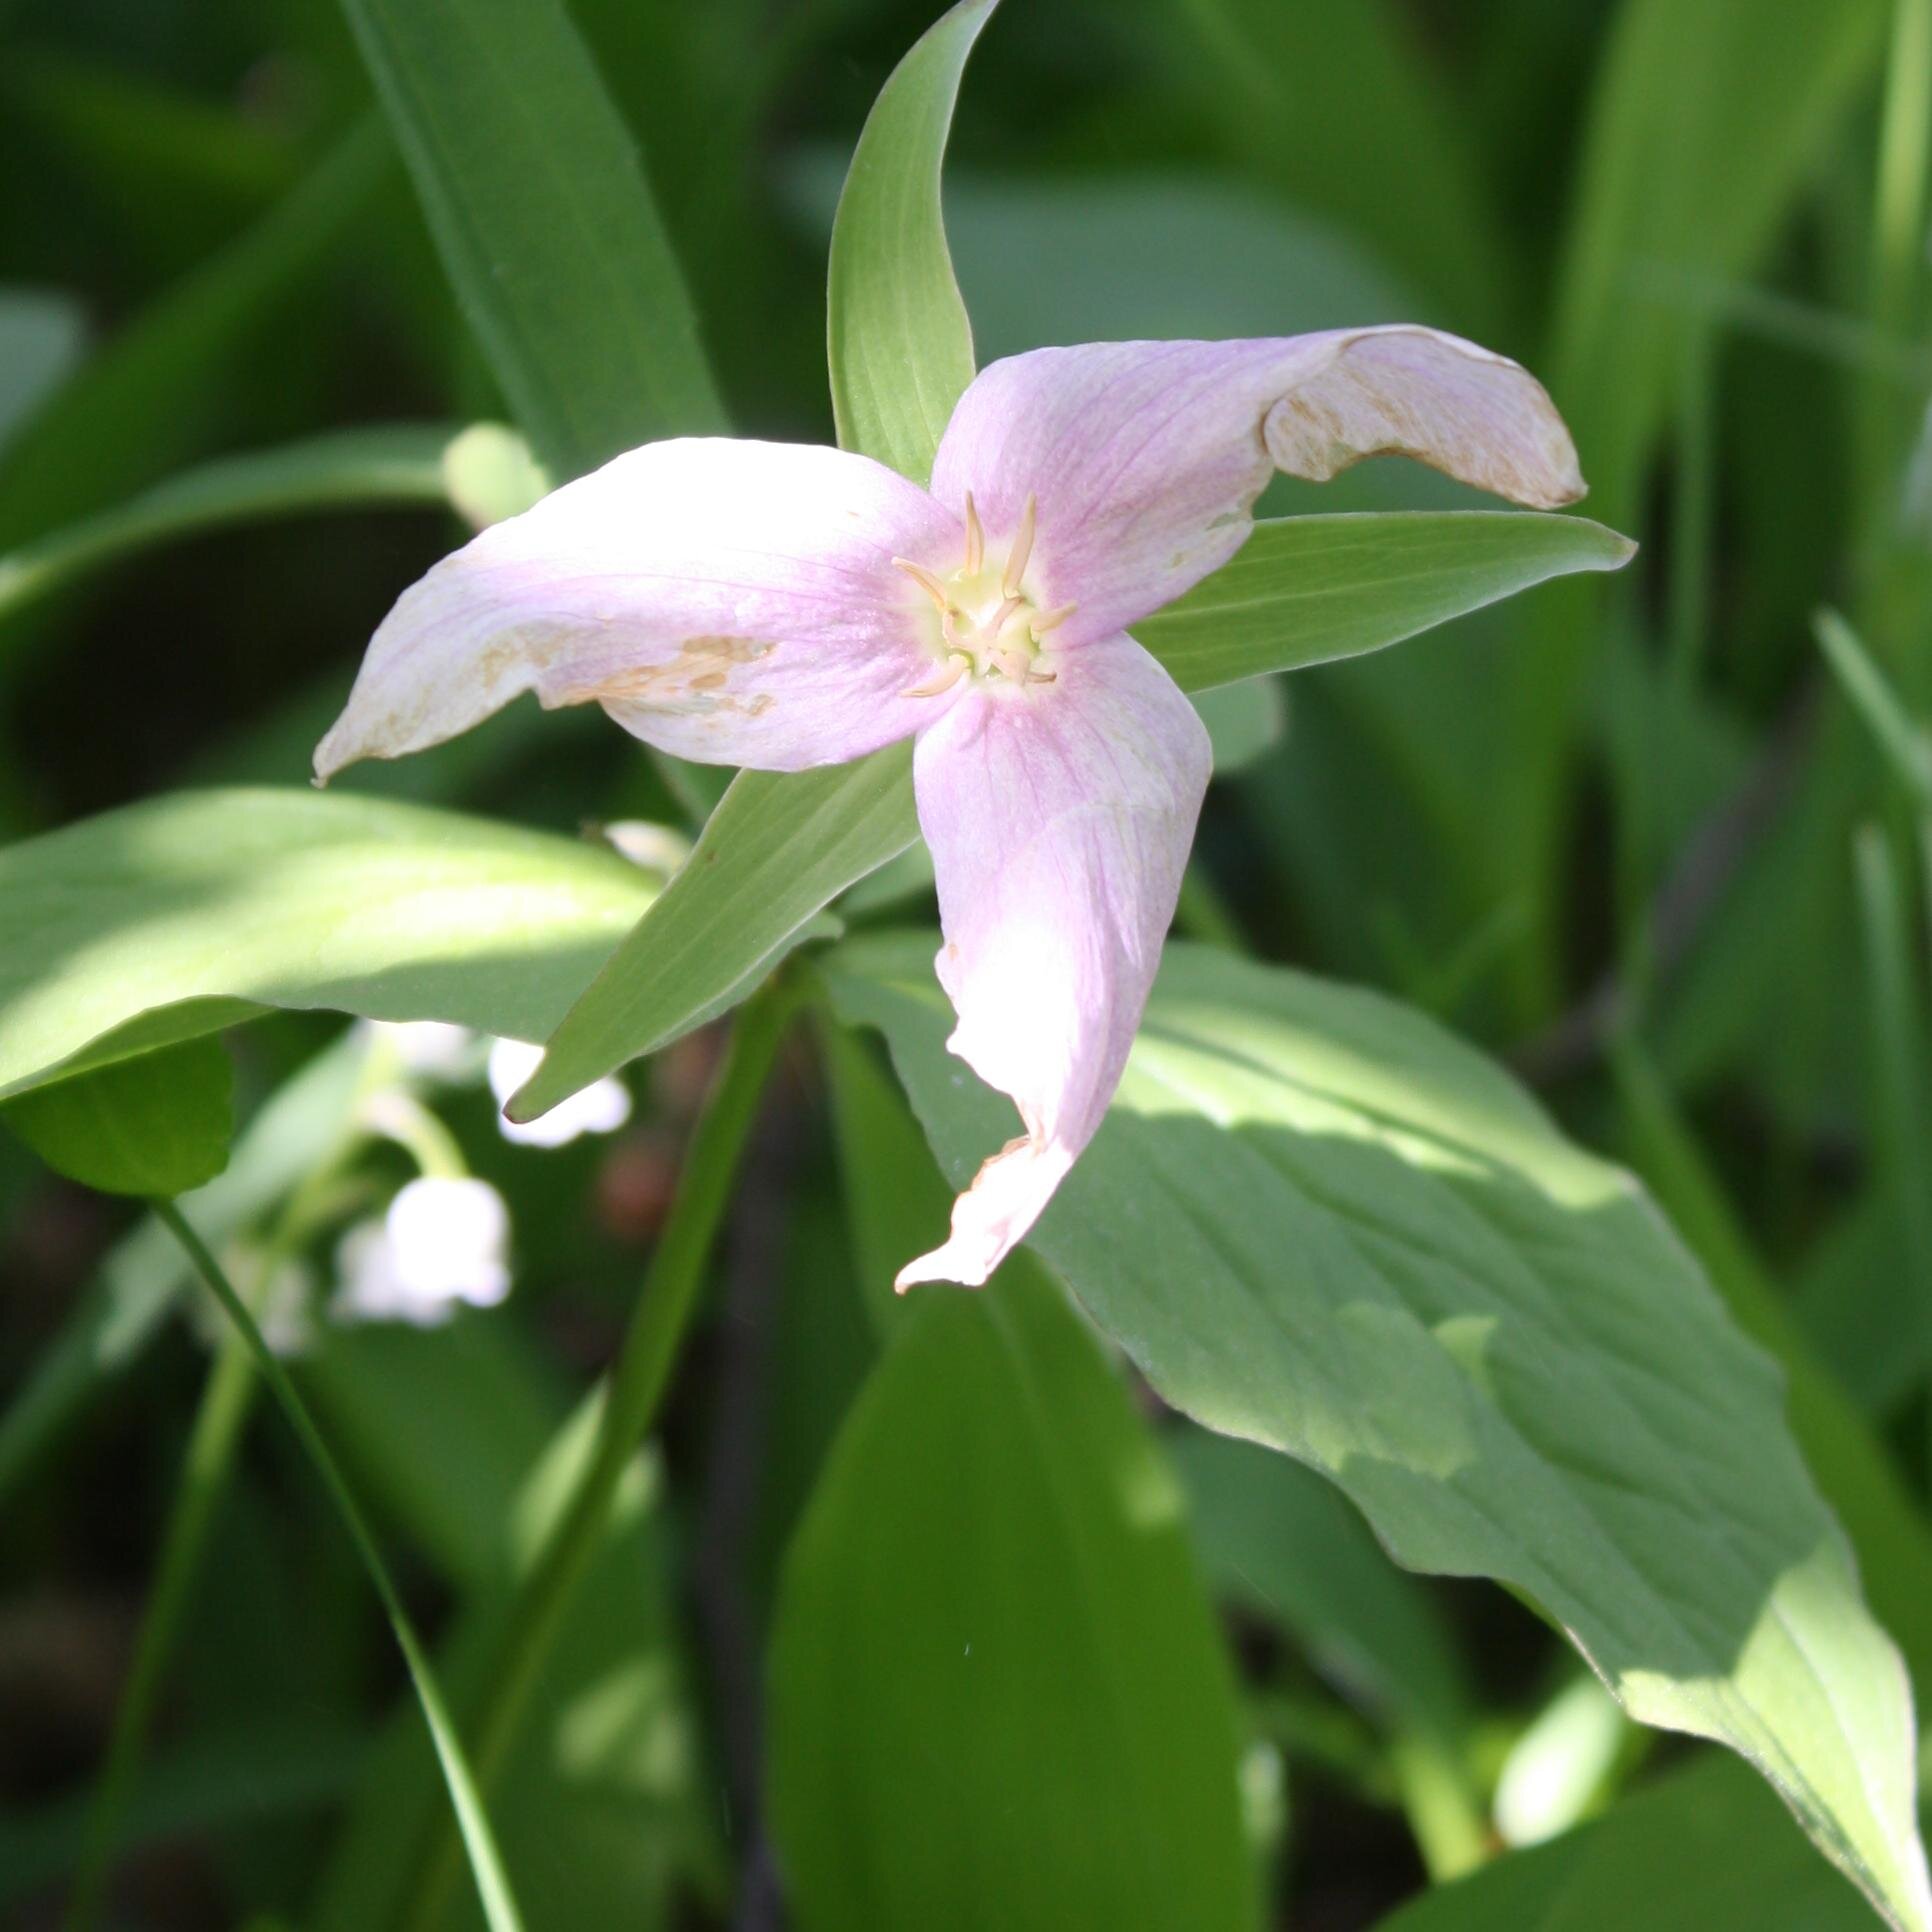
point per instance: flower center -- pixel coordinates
(989, 627)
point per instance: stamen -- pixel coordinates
(926, 581)
(1005, 611)
(1022, 549)
(942, 680)
(1015, 664)
(975, 539)
(1051, 619)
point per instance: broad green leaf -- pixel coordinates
(544, 220)
(123, 1308)
(779, 848)
(996, 1694)
(346, 469)
(155, 1125)
(40, 340)
(897, 334)
(1316, 1220)
(1704, 1851)
(1304, 590)
(189, 912)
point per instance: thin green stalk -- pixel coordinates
(225, 1402)
(486, 1864)
(1905, 129)
(628, 1407)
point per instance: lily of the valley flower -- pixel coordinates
(782, 606)
(600, 1108)
(443, 1244)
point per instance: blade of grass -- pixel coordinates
(486, 1866)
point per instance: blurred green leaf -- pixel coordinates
(1317, 1221)
(145, 398)
(155, 1125)
(1708, 1848)
(777, 850)
(1304, 590)
(1897, 734)
(997, 1696)
(188, 913)
(137, 1284)
(348, 469)
(40, 341)
(534, 192)
(1244, 721)
(900, 344)
(1343, 111)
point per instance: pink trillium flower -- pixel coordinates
(780, 606)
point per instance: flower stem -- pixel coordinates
(226, 1398)
(625, 1411)
(493, 1886)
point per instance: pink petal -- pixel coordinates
(734, 602)
(1059, 817)
(1146, 457)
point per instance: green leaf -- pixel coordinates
(1305, 590)
(1316, 1220)
(125, 1304)
(347, 469)
(777, 850)
(154, 1126)
(146, 397)
(1707, 1849)
(1244, 722)
(40, 340)
(546, 226)
(996, 1694)
(1896, 733)
(188, 913)
(897, 334)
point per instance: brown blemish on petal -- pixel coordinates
(696, 680)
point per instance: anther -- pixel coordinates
(1051, 619)
(949, 673)
(1022, 549)
(975, 539)
(926, 581)
(1016, 664)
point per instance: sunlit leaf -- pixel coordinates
(188, 913)
(1315, 1220)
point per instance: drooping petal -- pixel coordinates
(1146, 457)
(734, 602)
(1059, 818)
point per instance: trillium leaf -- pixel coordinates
(545, 223)
(997, 1692)
(779, 848)
(1305, 590)
(897, 334)
(176, 917)
(1317, 1221)
(348, 469)
(156, 1125)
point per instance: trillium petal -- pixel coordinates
(1059, 818)
(1146, 457)
(733, 602)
